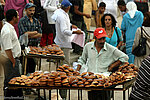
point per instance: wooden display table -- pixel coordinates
(54, 57)
(123, 87)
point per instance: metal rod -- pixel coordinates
(124, 98)
(44, 94)
(49, 94)
(57, 94)
(81, 94)
(69, 94)
(78, 95)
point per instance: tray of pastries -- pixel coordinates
(50, 50)
(66, 76)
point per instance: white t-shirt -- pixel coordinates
(63, 32)
(9, 40)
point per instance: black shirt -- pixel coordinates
(79, 3)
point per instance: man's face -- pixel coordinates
(68, 9)
(122, 8)
(30, 11)
(101, 9)
(100, 42)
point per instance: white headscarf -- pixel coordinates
(132, 8)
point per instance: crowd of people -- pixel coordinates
(43, 22)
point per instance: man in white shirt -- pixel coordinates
(63, 29)
(11, 51)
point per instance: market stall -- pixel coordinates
(67, 78)
(48, 52)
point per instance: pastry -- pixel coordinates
(74, 85)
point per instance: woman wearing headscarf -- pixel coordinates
(146, 27)
(131, 21)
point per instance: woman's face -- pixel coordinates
(108, 21)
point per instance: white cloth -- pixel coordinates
(63, 32)
(42, 2)
(132, 8)
(50, 6)
(24, 40)
(78, 39)
(56, 13)
(111, 7)
(9, 40)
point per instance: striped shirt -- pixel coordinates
(26, 25)
(141, 0)
(141, 88)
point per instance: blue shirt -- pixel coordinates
(114, 39)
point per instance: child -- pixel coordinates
(100, 13)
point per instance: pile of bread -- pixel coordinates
(68, 77)
(50, 50)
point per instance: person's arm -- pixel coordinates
(94, 5)
(10, 56)
(120, 44)
(97, 19)
(80, 13)
(120, 37)
(83, 59)
(38, 35)
(31, 33)
(113, 65)
(2, 2)
(119, 57)
(47, 6)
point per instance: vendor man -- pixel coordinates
(99, 57)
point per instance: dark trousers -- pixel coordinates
(99, 95)
(76, 48)
(11, 72)
(31, 64)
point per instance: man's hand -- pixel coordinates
(113, 65)
(10, 56)
(77, 32)
(79, 67)
(110, 68)
(74, 26)
(35, 32)
(87, 16)
(14, 62)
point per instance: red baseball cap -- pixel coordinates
(100, 32)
